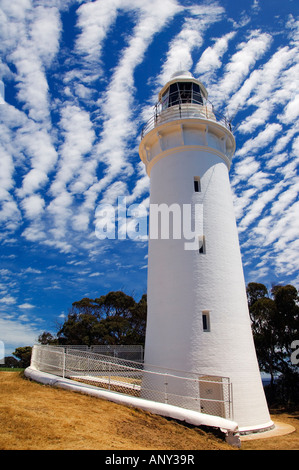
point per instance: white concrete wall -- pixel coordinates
(181, 284)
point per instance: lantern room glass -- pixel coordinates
(182, 92)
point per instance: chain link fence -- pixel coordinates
(207, 394)
(133, 352)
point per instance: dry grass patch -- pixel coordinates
(287, 442)
(39, 417)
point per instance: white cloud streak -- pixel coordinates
(211, 58)
(116, 103)
(179, 56)
(240, 64)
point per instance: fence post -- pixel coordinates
(109, 375)
(165, 388)
(63, 362)
(197, 388)
(231, 400)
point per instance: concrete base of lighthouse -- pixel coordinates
(244, 431)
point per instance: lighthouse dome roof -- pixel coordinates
(181, 74)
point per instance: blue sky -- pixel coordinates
(80, 79)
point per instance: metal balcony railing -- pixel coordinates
(176, 106)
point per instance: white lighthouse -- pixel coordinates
(198, 319)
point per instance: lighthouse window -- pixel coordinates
(181, 92)
(173, 94)
(197, 184)
(202, 244)
(197, 98)
(185, 90)
(165, 99)
(206, 320)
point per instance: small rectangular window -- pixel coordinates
(206, 320)
(202, 244)
(197, 184)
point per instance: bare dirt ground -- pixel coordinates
(38, 417)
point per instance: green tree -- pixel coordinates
(263, 313)
(79, 328)
(114, 318)
(24, 354)
(256, 291)
(47, 338)
(287, 326)
(138, 322)
(10, 361)
(275, 325)
(124, 320)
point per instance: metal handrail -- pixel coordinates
(179, 388)
(181, 106)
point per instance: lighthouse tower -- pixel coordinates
(198, 320)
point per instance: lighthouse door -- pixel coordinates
(212, 396)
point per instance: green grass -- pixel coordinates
(11, 369)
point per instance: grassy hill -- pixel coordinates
(38, 417)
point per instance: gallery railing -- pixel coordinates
(183, 107)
